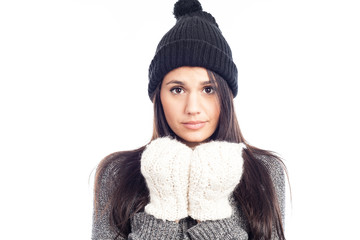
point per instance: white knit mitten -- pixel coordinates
(165, 166)
(215, 170)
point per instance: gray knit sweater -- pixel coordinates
(145, 226)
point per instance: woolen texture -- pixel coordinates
(195, 40)
(165, 165)
(215, 170)
(145, 226)
(185, 182)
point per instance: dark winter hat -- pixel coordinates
(195, 40)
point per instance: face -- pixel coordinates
(190, 104)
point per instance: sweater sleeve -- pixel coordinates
(143, 225)
(225, 229)
(146, 227)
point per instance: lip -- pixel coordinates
(194, 125)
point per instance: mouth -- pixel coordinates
(194, 125)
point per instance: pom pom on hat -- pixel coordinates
(183, 7)
(192, 8)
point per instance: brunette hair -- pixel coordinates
(255, 193)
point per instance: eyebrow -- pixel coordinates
(182, 83)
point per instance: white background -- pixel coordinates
(74, 89)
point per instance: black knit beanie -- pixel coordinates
(195, 40)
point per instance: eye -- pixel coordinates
(176, 90)
(209, 90)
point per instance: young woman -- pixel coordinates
(198, 178)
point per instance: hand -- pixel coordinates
(215, 170)
(165, 166)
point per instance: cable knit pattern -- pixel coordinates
(215, 170)
(146, 226)
(165, 166)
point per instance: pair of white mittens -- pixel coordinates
(191, 182)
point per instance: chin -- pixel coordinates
(194, 140)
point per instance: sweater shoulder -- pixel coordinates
(274, 165)
(117, 163)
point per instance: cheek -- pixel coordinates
(169, 108)
(214, 110)
(169, 112)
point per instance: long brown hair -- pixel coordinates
(255, 193)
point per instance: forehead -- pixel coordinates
(187, 75)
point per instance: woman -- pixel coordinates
(197, 178)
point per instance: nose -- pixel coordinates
(193, 104)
